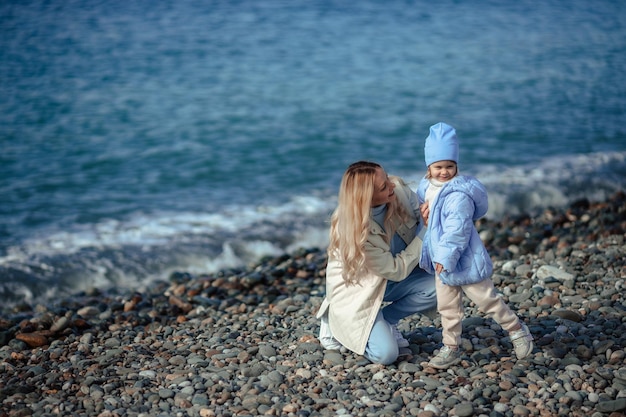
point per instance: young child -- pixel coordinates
(454, 251)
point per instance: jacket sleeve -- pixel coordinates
(421, 190)
(457, 225)
(393, 268)
(415, 202)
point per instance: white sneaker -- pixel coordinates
(445, 358)
(402, 342)
(326, 336)
(522, 342)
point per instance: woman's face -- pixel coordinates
(383, 188)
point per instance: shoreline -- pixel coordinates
(244, 342)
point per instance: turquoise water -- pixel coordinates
(138, 138)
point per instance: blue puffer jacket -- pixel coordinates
(451, 238)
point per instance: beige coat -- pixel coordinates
(352, 309)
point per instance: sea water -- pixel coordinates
(141, 138)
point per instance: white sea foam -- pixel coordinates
(169, 228)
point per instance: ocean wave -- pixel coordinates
(134, 253)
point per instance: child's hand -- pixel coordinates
(424, 212)
(438, 268)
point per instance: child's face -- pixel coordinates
(442, 170)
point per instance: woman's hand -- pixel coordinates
(438, 268)
(424, 212)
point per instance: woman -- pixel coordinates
(372, 258)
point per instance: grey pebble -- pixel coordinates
(166, 393)
(612, 405)
(274, 378)
(267, 351)
(464, 410)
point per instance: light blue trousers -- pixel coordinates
(412, 295)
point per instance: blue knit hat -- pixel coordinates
(441, 144)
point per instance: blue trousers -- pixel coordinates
(412, 295)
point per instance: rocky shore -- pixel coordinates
(244, 342)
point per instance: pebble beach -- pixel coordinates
(244, 342)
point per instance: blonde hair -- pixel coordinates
(350, 222)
